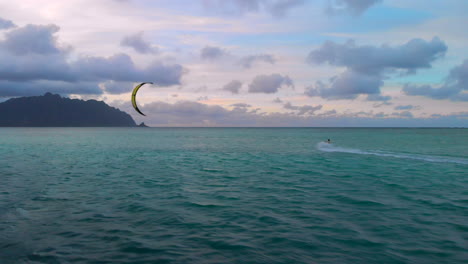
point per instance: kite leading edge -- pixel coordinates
(135, 90)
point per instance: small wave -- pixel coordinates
(326, 147)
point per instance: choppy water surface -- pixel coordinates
(232, 195)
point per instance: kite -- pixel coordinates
(135, 90)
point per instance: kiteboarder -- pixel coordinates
(328, 141)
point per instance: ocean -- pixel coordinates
(233, 195)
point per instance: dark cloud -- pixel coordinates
(413, 55)
(32, 39)
(212, 53)
(120, 67)
(187, 113)
(139, 44)
(248, 61)
(40, 87)
(32, 57)
(304, 109)
(452, 93)
(269, 83)
(277, 8)
(5, 24)
(354, 7)
(241, 105)
(453, 89)
(459, 75)
(233, 86)
(368, 66)
(349, 85)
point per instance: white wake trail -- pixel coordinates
(326, 147)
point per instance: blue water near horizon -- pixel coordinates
(233, 195)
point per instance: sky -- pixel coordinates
(312, 63)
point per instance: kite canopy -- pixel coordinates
(135, 90)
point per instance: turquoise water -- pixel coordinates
(233, 195)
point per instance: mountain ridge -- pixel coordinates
(52, 110)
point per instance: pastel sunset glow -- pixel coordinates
(245, 63)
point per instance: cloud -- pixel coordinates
(114, 87)
(248, 61)
(278, 100)
(354, 7)
(233, 86)
(186, 113)
(280, 8)
(6, 24)
(32, 39)
(40, 87)
(269, 83)
(346, 86)
(367, 66)
(212, 53)
(382, 103)
(276, 8)
(404, 114)
(32, 57)
(452, 93)
(405, 107)
(302, 110)
(378, 97)
(120, 67)
(241, 105)
(453, 89)
(413, 55)
(140, 45)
